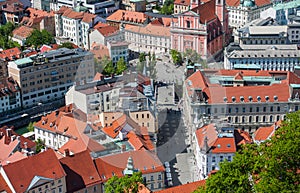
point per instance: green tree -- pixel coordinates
(152, 67)
(30, 126)
(38, 38)
(142, 57)
(121, 66)
(273, 166)
(124, 184)
(6, 32)
(109, 68)
(66, 45)
(176, 57)
(168, 7)
(40, 144)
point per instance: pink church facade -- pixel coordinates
(204, 29)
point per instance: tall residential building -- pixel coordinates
(262, 57)
(47, 76)
(203, 28)
(215, 144)
(101, 8)
(10, 96)
(242, 12)
(245, 99)
(41, 4)
(73, 25)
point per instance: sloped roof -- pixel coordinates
(81, 171)
(107, 30)
(11, 86)
(207, 11)
(236, 3)
(11, 54)
(22, 32)
(264, 133)
(151, 29)
(185, 188)
(3, 185)
(44, 164)
(123, 15)
(143, 160)
(182, 2)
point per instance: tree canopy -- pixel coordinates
(176, 57)
(6, 33)
(272, 166)
(66, 45)
(121, 66)
(167, 8)
(124, 184)
(30, 126)
(38, 38)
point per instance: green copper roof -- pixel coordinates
(80, 8)
(23, 61)
(288, 5)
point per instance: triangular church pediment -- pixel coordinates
(37, 181)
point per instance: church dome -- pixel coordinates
(247, 3)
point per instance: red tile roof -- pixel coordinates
(107, 30)
(3, 185)
(235, 3)
(185, 188)
(8, 86)
(182, 2)
(129, 16)
(70, 13)
(215, 93)
(22, 32)
(44, 164)
(224, 145)
(144, 161)
(207, 11)
(81, 171)
(10, 54)
(163, 21)
(264, 133)
(13, 7)
(151, 29)
(100, 51)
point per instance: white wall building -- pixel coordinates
(242, 12)
(150, 38)
(101, 8)
(10, 95)
(74, 25)
(262, 57)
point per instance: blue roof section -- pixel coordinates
(23, 61)
(295, 85)
(288, 5)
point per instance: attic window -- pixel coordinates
(145, 168)
(113, 173)
(153, 167)
(228, 145)
(233, 99)
(275, 98)
(225, 99)
(242, 99)
(258, 98)
(250, 98)
(218, 146)
(267, 98)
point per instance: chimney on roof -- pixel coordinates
(25, 145)
(67, 153)
(8, 132)
(56, 112)
(123, 148)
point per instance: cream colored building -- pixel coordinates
(46, 77)
(144, 119)
(150, 38)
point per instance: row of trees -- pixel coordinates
(124, 184)
(38, 38)
(191, 56)
(273, 166)
(167, 8)
(107, 67)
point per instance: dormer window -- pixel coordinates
(267, 98)
(225, 99)
(258, 98)
(233, 99)
(242, 99)
(275, 98)
(250, 98)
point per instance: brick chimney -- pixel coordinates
(67, 153)
(8, 132)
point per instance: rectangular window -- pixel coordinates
(213, 159)
(257, 109)
(152, 178)
(221, 158)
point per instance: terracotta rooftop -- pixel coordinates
(207, 11)
(164, 21)
(235, 3)
(8, 86)
(3, 185)
(107, 30)
(223, 142)
(128, 16)
(264, 133)
(216, 93)
(70, 13)
(182, 2)
(151, 29)
(22, 32)
(44, 164)
(13, 7)
(114, 164)
(100, 51)
(81, 171)
(185, 188)
(10, 54)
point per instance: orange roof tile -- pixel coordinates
(22, 32)
(224, 145)
(10, 84)
(3, 185)
(98, 76)
(129, 16)
(259, 3)
(44, 164)
(143, 160)
(207, 11)
(107, 30)
(100, 51)
(70, 13)
(185, 188)
(99, 24)
(84, 175)
(151, 29)
(263, 133)
(10, 54)
(182, 2)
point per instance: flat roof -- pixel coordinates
(262, 30)
(23, 61)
